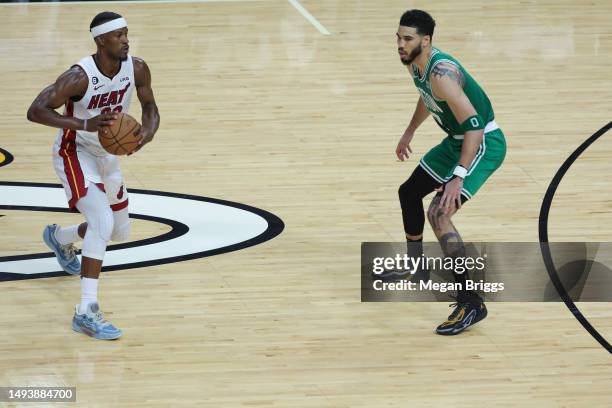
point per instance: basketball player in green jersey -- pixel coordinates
(474, 147)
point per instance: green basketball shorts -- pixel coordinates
(441, 160)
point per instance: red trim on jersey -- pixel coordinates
(72, 167)
(119, 206)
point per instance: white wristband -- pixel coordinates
(85, 124)
(460, 171)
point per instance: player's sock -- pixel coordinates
(414, 247)
(67, 235)
(464, 295)
(89, 293)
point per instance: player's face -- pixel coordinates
(409, 44)
(116, 43)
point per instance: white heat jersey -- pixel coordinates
(103, 95)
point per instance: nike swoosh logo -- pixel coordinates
(97, 87)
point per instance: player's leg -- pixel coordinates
(426, 178)
(121, 226)
(469, 308)
(118, 198)
(60, 240)
(121, 230)
(88, 318)
(71, 234)
(411, 194)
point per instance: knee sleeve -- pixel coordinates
(418, 185)
(411, 195)
(94, 206)
(121, 230)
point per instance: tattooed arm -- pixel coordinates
(447, 83)
(72, 83)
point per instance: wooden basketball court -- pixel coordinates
(300, 118)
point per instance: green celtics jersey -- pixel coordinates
(440, 109)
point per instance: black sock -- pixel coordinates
(414, 247)
(464, 295)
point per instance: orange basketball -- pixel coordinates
(119, 139)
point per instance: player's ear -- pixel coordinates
(426, 40)
(99, 40)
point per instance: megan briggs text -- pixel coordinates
(438, 286)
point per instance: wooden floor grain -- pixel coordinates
(260, 108)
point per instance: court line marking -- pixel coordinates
(543, 232)
(134, 2)
(298, 6)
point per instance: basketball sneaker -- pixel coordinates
(65, 254)
(93, 324)
(464, 316)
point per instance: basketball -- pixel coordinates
(119, 139)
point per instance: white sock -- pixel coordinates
(89, 293)
(67, 235)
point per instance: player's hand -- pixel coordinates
(146, 136)
(451, 197)
(403, 146)
(106, 119)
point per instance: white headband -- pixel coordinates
(108, 27)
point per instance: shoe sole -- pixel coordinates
(91, 334)
(454, 332)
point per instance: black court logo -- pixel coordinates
(199, 227)
(94, 80)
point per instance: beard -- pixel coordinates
(412, 56)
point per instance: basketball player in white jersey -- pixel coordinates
(93, 91)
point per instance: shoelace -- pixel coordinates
(69, 251)
(100, 319)
(456, 312)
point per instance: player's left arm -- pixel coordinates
(150, 113)
(447, 82)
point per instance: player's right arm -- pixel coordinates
(420, 114)
(72, 83)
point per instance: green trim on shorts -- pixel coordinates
(442, 159)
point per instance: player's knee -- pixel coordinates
(432, 212)
(121, 232)
(103, 225)
(443, 221)
(437, 218)
(406, 192)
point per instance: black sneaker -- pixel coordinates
(464, 316)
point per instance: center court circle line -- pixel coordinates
(543, 231)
